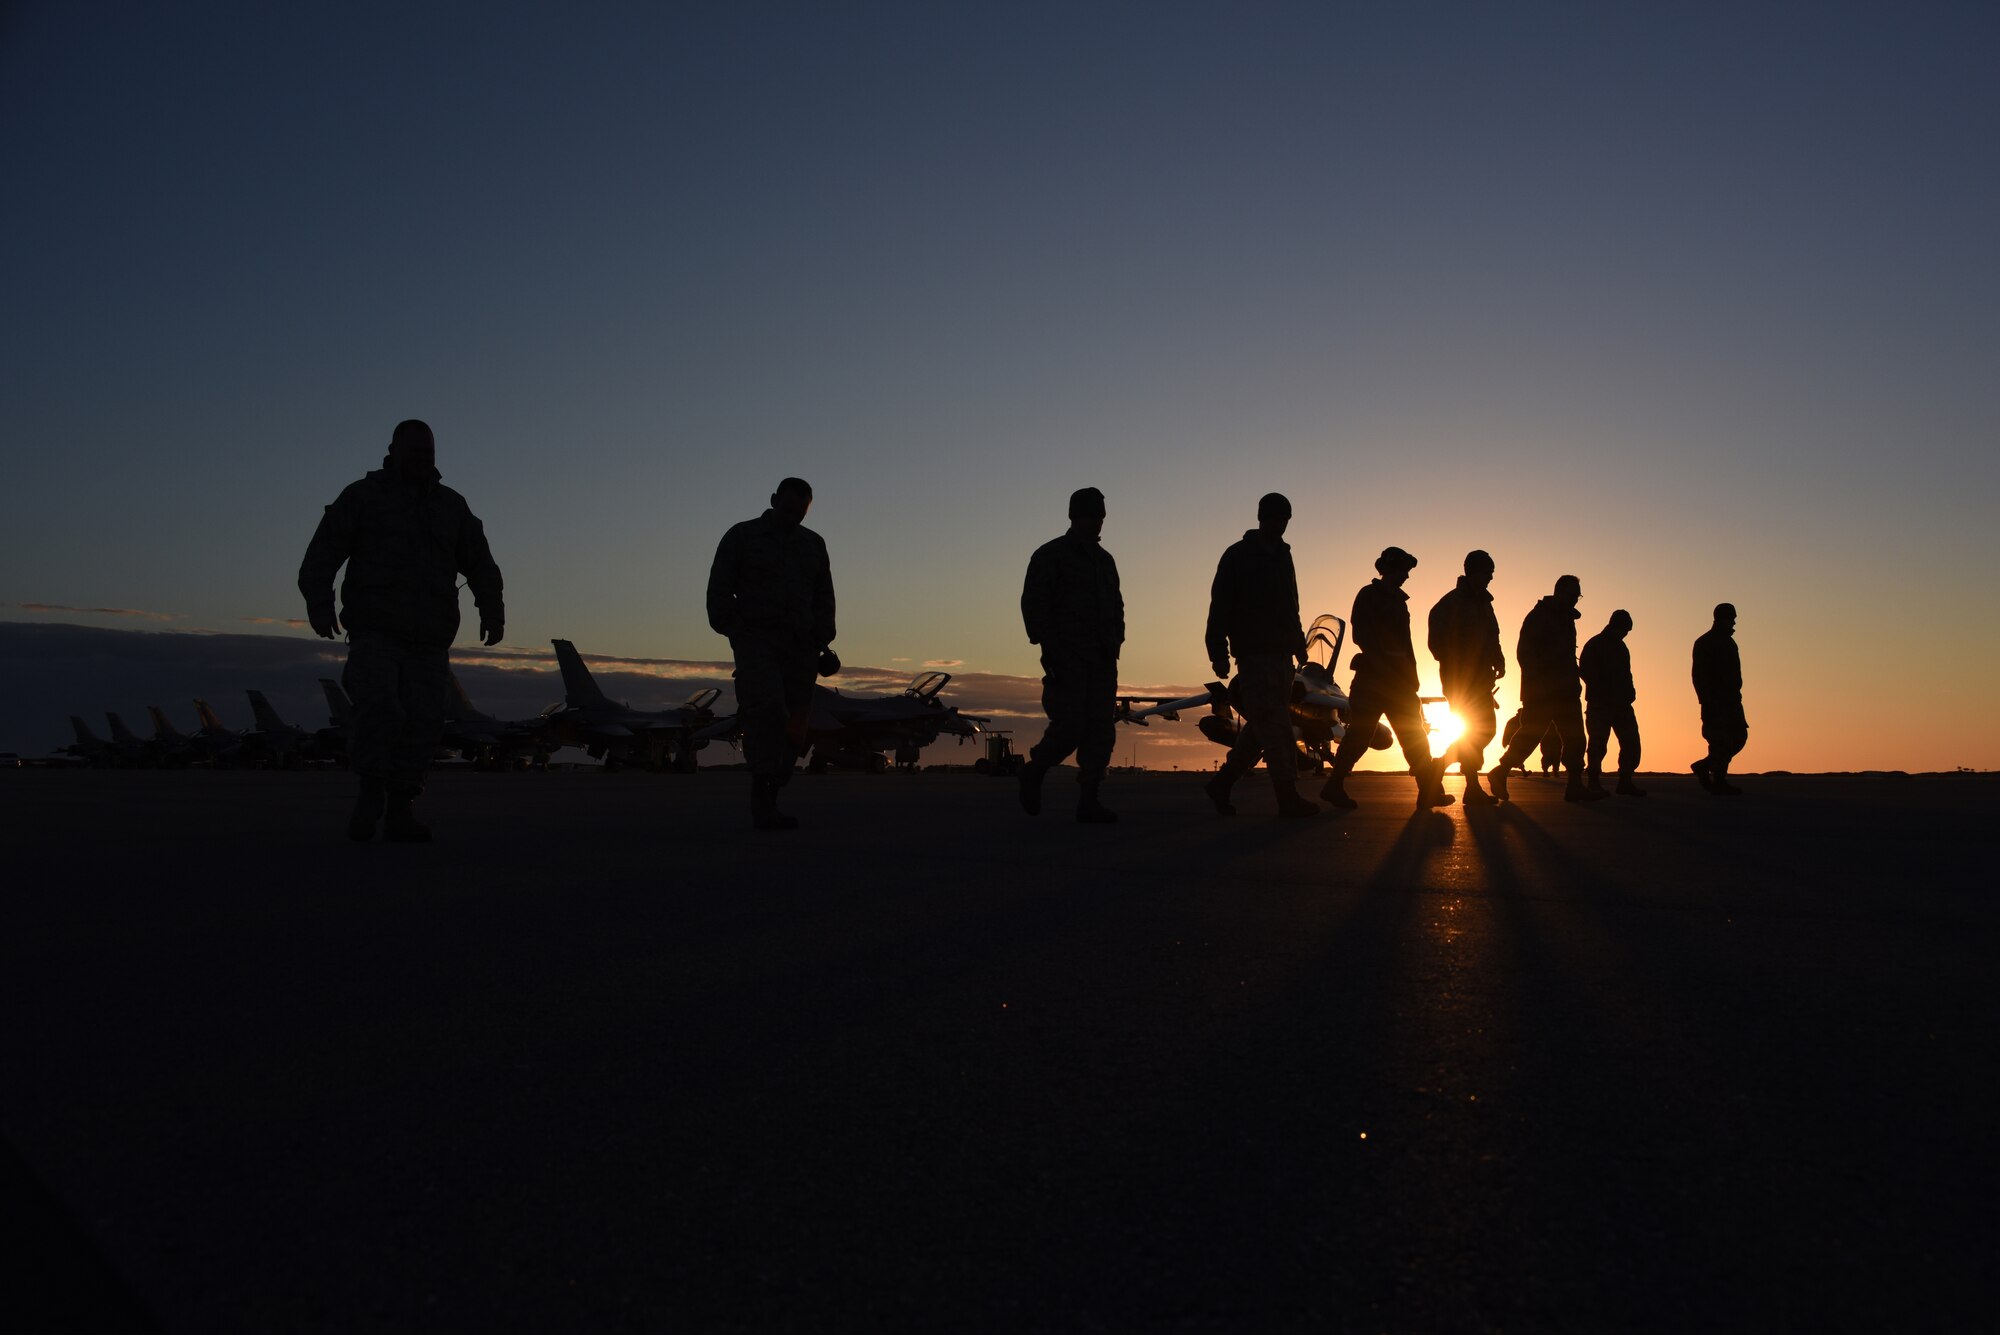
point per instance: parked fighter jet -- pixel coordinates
(330, 742)
(272, 741)
(1319, 704)
(88, 746)
(491, 743)
(130, 745)
(620, 734)
(853, 731)
(225, 745)
(172, 747)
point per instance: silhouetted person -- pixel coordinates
(405, 539)
(1253, 613)
(1551, 691)
(1465, 640)
(1385, 685)
(1552, 749)
(1606, 668)
(1718, 684)
(770, 590)
(1073, 609)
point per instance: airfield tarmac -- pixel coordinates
(600, 1058)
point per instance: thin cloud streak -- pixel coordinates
(100, 611)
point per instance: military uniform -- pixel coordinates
(1606, 669)
(1253, 614)
(1465, 639)
(1072, 608)
(1551, 691)
(770, 591)
(1718, 685)
(404, 544)
(1385, 684)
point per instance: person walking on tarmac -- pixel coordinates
(1465, 639)
(405, 538)
(1551, 692)
(1606, 668)
(770, 591)
(1073, 609)
(1718, 685)
(1253, 612)
(1385, 685)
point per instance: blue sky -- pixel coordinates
(1696, 302)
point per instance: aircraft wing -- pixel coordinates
(1169, 708)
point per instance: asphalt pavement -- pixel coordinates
(602, 1058)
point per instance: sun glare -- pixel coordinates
(1446, 727)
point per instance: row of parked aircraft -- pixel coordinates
(843, 731)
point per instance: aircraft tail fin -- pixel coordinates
(578, 685)
(206, 716)
(462, 706)
(267, 717)
(119, 732)
(163, 729)
(337, 703)
(84, 736)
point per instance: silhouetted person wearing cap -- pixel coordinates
(1551, 691)
(1606, 668)
(1465, 639)
(1253, 612)
(1073, 609)
(1385, 685)
(770, 590)
(405, 538)
(1718, 684)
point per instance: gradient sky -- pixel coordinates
(1696, 302)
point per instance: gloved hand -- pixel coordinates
(829, 663)
(1220, 667)
(324, 623)
(489, 632)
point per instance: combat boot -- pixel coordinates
(1700, 768)
(367, 811)
(400, 824)
(1719, 784)
(1217, 789)
(1430, 789)
(1475, 796)
(1626, 788)
(1334, 793)
(1090, 811)
(1030, 782)
(1290, 805)
(1579, 791)
(764, 813)
(1497, 777)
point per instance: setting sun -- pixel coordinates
(1446, 727)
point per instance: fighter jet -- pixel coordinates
(330, 742)
(225, 745)
(134, 748)
(1319, 704)
(619, 734)
(853, 731)
(272, 741)
(491, 743)
(172, 747)
(88, 747)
